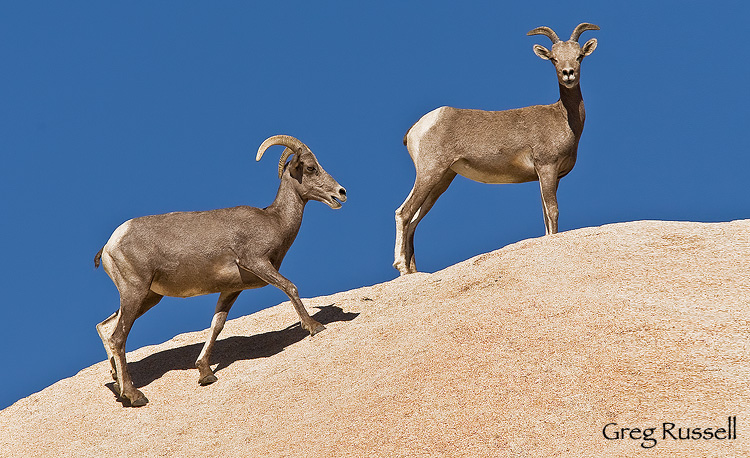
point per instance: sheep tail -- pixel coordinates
(98, 258)
(407, 133)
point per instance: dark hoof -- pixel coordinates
(140, 402)
(207, 380)
(116, 388)
(319, 327)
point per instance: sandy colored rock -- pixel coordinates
(528, 351)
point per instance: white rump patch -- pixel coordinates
(419, 129)
(114, 241)
(118, 234)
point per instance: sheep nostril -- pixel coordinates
(342, 191)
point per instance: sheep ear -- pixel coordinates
(542, 52)
(295, 168)
(589, 47)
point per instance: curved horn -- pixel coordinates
(546, 31)
(292, 145)
(282, 161)
(582, 27)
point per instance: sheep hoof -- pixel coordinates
(139, 402)
(316, 328)
(207, 380)
(116, 388)
(403, 269)
(134, 399)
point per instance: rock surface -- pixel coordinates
(528, 351)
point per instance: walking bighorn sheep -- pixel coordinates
(513, 146)
(224, 251)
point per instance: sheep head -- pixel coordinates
(310, 179)
(566, 56)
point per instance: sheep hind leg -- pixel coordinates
(105, 329)
(206, 375)
(407, 214)
(426, 206)
(131, 307)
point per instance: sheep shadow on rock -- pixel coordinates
(229, 350)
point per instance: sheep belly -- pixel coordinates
(187, 282)
(516, 169)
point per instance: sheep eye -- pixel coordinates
(310, 169)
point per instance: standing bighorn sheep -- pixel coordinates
(224, 251)
(513, 146)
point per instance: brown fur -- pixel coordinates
(536, 143)
(224, 251)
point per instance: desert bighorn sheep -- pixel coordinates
(513, 146)
(224, 251)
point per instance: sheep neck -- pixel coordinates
(572, 102)
(288, 206)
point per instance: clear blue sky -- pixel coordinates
(109, 112)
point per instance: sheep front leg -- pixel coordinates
(548, 182)
(206, 375)
(268, 273)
